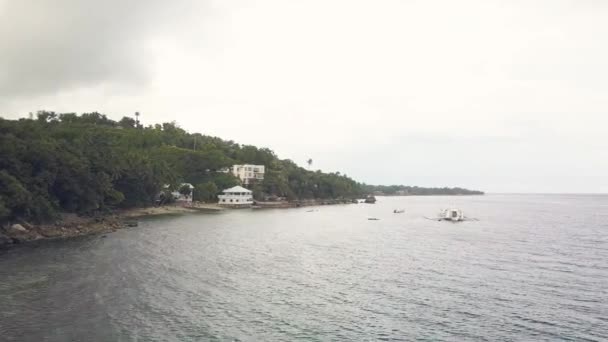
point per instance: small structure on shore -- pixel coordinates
(183, 194)
(236, 197)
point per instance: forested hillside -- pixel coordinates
(402, 190)
(89, 163)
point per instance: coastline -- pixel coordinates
(169, 210)
(71, 225)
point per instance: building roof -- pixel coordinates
(254, 165)
(237, 189)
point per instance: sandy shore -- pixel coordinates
(170, 209)
(154, 211)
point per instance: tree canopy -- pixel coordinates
(403, 190)
(88, 163)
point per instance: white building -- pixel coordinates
(248, 173)
(178, 196)
(236, 197)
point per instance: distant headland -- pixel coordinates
(403, 190)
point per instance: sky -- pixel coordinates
(501, 96)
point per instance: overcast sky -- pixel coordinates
(502, 96)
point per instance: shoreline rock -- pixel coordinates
(71, 225)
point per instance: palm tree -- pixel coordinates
(309, 162)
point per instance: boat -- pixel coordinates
(373, 218)
(399, 211)
(453, 215)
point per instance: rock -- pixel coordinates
(27, 225)
(5, 240)
(131, 223)
(17, 228)
(18, 234)
(51, 232)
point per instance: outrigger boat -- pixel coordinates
(454, 215)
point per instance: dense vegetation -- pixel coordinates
(89, 163)
(402, 190)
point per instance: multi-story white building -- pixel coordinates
(236, 197)
(248, 173)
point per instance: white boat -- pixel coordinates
(451, 215)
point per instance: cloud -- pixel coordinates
(53, 46)
(487, 94)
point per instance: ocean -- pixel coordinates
(532, 268)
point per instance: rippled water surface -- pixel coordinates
(533, 268)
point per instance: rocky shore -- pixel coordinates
(71, 225)
(68, 226)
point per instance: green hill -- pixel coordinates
(403, 190)
(88, 164)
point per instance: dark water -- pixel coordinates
(534, 268)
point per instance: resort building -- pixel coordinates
(248, 173)
(236, 197)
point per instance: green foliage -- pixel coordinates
(64, 162)
(402, 190)
(4, 211)
(185, 190)
(205, 192)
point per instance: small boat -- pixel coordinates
(399, 211)
(453, 215)
(373, 218)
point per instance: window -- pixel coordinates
(230, 200)
(236, 200)
(224, 200)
